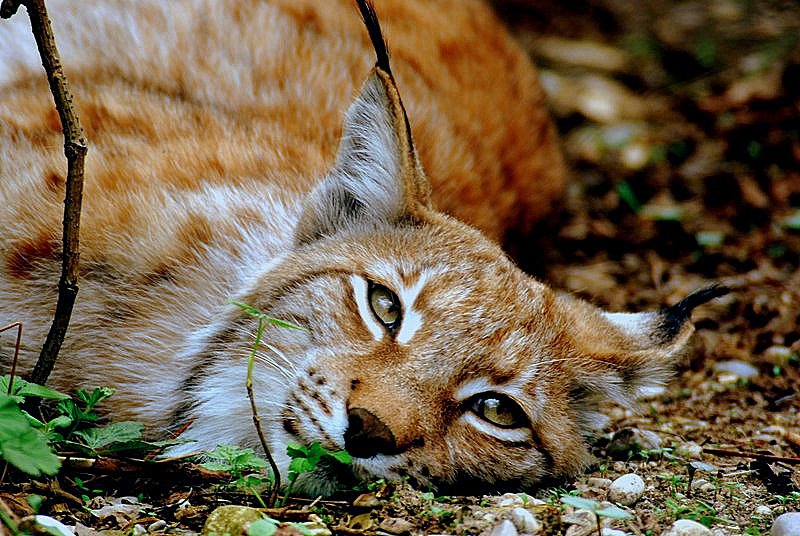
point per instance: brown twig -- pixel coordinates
(13, 372)
(181, 471)
(75, 148)
(754, 455)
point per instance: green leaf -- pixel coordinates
(22, 388)
(21, 445)
(95, 397)
(341, 456)
(579, 502)
(252, 311)
(262, 527)
(116, 432)
(613, 512)
(293, 450)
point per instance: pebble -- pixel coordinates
(509, 499)
(582, 523)
(686, 527)
(229, 519)
(156, 526)
(139, 530)
(689, 450)
(787, 524)
(763, 511)
(524, 521)
(627, 489)
(612, 532)
(600, 483)
(397, 525)
(632, 440)
(740, 369)
(504, 528)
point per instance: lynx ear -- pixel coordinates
(377, 178)
(618, 356)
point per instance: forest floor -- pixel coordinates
(681, 123)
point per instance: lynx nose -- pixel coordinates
(367, 435)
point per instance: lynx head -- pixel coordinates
(428, 354)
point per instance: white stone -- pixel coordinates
(740, 369)
(763, 510)
(627, 489)
(509, 499)
(687, 527)
(505, 528)
(525, 521)
(787, 524)
(612, 532)
(53, 526)
(689, 450)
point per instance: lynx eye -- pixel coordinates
(385, 305)
(498, 410)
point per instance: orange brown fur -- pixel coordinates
(245, 151)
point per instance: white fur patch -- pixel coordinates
(412, 317)
(517, 435)
(361, 295)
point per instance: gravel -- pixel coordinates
(627, 489)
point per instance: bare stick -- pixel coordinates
(75, 148)
(754, 455)
(13, 372)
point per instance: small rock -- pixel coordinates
(689, 450)
(778, 354)
(582, 523)
(504, 528)
(763, 510)
(787, 524)
(612, 532)
(698, 483)
(156, 526)
(686, 527)
(509, 499)
(524, 521)
(40, 524)
(740, 369)
(600, 483)
(230, 519)
(366, 500)
(632, 441)
(139, 530)
(396, 525)
(627, 489)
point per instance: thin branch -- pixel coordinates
(13, 372)
(754, 455)
(75, 148)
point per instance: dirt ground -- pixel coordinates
(681, 123)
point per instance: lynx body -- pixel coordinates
(219, 170)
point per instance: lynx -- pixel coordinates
(219, 170)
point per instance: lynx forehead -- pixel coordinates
(221, 170)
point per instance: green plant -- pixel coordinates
(699, 511)
(239, 462)
(588, 504)
(22, 444)
(305, 459)
(263, 321)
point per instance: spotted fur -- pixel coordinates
(219, 171)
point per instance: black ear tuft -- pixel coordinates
(673, 318)
(375, 34)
